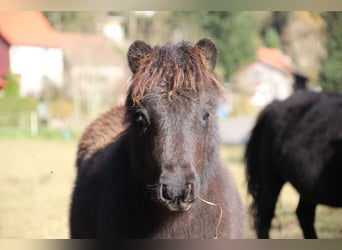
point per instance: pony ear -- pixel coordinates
(208, 50)
(137, 51)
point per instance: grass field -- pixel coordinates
(36, 178)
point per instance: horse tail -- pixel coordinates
(258, 156)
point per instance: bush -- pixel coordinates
(12, 106)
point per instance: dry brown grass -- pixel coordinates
(36, 178)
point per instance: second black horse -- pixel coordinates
(298, 140)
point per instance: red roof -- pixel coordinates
(29, 28)
(275, 58)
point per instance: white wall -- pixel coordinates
(33, 63)
(270, 84)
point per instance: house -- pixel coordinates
(113, 28)
(271, 76)
(4, 62)
(95, 70)
(29, 48)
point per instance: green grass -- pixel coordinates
(36, 180)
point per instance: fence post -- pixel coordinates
(34, 123)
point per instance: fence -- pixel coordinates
(21, 122)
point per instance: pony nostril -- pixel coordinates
(189, 193)
(163, 193)
(187, 196)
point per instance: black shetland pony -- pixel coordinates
(298, 140)
(151, 168)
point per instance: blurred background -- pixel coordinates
(59, 70)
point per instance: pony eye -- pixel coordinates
(142, 118)
(206, 116)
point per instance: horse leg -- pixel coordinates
(306, 216)
(265, 208)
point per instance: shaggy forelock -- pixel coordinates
(179, 67)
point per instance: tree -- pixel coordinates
(235, 35)
(74, 21)
(163, 26)
(304, 42)
(331, 72)
(271, 38)
(12, 88)
(271, 28)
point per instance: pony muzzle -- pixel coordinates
(177, 200)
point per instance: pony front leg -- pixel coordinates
(306, 216)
